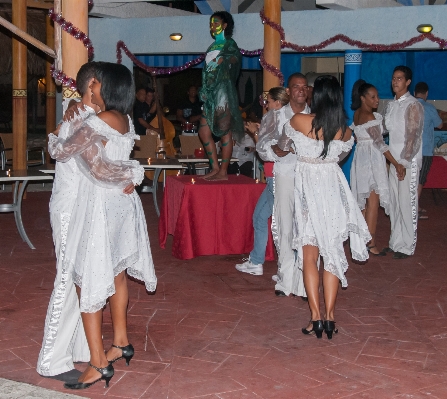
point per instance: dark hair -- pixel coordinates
(295, 76)
(327, 105)
(85, 74)
(359, 89)
(407, 71)
(227, 19)
(117, 87)
(421, 88)
(279, 94)
(150, 90)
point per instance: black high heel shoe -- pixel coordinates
(317, 328)
(127, 354)
(106, 374)
(329, 328)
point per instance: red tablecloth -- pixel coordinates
(210, 218)
(437, 177)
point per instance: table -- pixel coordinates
(49, 168)
(17, 176)
(191, 161)
(158, 165)
(437, 176)
(210, 217)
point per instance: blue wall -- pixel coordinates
(377, 68)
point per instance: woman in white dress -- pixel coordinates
(369, 175)
(107, 234)
(326, 212)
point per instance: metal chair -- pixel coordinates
(6, 153)
(188, 144)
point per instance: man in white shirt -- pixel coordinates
(64, 340)
(289, 278)
(404, 119)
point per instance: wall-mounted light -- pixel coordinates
(176, 36)
(424, 28)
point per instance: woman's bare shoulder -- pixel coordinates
(302, 122)
(115, 120)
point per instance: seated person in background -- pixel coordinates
(141, 110)
(190, 110)
(150, 101)
(244, 151)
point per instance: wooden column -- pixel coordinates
(272, 44)
(74, 54)
(50, 106)
(19, 87)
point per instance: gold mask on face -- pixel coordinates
(219, 29)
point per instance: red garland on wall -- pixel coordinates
(60, 76)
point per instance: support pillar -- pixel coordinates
(19, 88)
(50, 106)
(352, 71)
(74, 54)
(272, 44)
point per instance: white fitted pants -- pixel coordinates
(404, 210)
(64, 340)
(290, 277)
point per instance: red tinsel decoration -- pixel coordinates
(68, 27)
(153, 71)
(60, 76)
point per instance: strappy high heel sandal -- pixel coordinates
(329, 328)
(128, 352)
(106, 375)
(317, 328)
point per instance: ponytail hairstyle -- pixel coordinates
(327, 105)
(279, 94)
(359, 89)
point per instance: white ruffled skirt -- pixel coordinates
(326, 215)
(368, 174)
(107, 234)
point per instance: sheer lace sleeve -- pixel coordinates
(285, 142)
(414, 123)
(267, 136)
(375, 132)
(86, 147)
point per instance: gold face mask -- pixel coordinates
(218, 28)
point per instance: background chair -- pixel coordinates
(188, 144)
(6, 146)
(6, 153)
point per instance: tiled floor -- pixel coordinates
(212, 332)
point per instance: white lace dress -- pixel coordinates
(326, 212)
(368, 170)
(107, 232)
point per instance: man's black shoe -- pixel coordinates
(400, 255)
(69, 377)
(279, 293)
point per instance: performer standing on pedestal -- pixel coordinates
(404, 119)
(221, 115)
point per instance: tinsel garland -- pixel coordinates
(59, 76)
(68, 27)
(121, 46)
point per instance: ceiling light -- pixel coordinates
(424, 28)
(176, 36)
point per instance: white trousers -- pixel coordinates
(290, 277)
(404, 210)
(64, 340)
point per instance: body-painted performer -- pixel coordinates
(221, 115)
